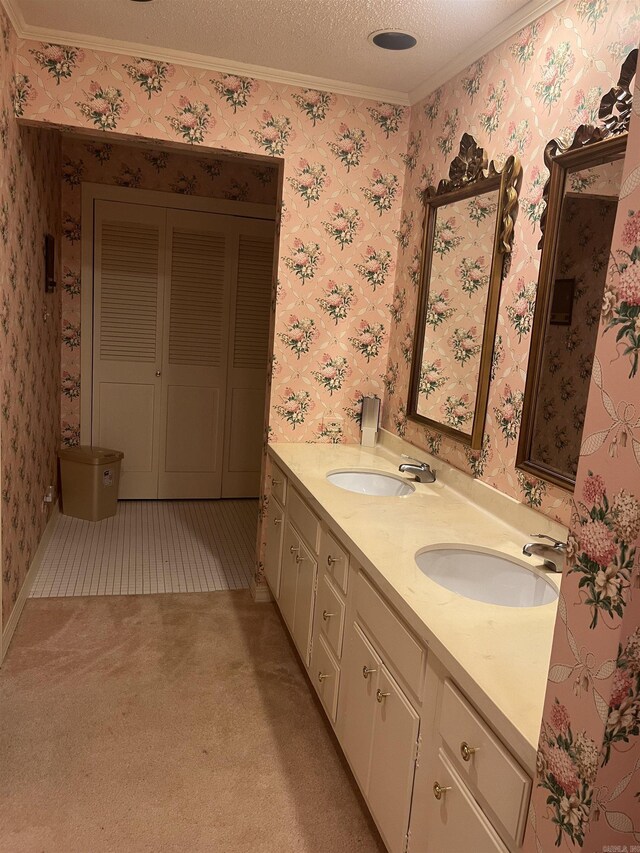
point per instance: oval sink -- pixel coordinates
(486, 577)
(370, 483)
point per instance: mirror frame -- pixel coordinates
(591, 146)
(469, 176)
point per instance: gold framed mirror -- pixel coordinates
(468, 231)
(581, 196)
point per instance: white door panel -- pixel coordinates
(127, 340)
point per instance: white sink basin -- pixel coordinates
(486, 577)
(370, 483)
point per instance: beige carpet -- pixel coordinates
(166, 723)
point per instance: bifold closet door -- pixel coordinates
(199, 264)
(250, 314)
(129, 276)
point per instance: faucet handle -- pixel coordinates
(555, 542)
(412, 459)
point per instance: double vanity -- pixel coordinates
(425, 632)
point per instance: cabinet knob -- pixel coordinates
(380, 696)
(299, 559)
(276, 482)
(277, 521)
(332, 560)
(293, 549)
(326, 615)
(158, 373)
(467, 751)
(439, 790)
(322, 676)
(367, 672)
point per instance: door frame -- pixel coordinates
(91, 193)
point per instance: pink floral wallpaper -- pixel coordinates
(542, 83)
(583, 255)
(587, 788)
(29, 331)
(139, 167)
(455, 311)
(343, 175)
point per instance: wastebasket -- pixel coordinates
(90, 477)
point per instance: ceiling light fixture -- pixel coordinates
(392, 39)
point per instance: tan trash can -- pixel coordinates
(90, 478)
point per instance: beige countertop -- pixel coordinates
(498, 655)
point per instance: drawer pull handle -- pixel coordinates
(293, 549)
(277, 521)
(299, 559)
(467, 751)
(367, 672)
(322, 676)
(380, 696)
(276, 482)
(326, 615)
(331, 561)
(439, 790)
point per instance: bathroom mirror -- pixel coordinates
(467, 233)
(581, 197)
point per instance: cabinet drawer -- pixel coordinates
(305, 520)
(330, 615)
(395, 641)
(490, 771)
(455, 821)
(326, 677)
(334, 558)
(278, 484)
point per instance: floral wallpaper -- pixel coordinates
(455, 311)
(29, 332)
(587, 787)
(139, 167)
(583, 254)
(343, 174)
(542, 83)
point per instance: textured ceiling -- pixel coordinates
(320, 38)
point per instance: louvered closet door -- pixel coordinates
(248, 348)
(129, 262)
(196, 330)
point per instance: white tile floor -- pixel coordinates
(150, 547)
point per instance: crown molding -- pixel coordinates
(197, 60)
(513, 24)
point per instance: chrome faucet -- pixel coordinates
(541, 549)
(421, 470)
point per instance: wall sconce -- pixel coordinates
(49, 263)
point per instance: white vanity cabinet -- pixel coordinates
(469, 793)
(435, 776)
(378, 724)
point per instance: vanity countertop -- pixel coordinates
(498, 655)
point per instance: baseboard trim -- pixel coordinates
(260, 592)
(16, 613)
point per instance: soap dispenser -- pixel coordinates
(370, 420)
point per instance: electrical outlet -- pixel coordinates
(49, 495)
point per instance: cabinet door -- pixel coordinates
(393, 752)
(129, 284)
(274, 529)
(307, 569)
(289, 575)
(360, 670)
(453, 822)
